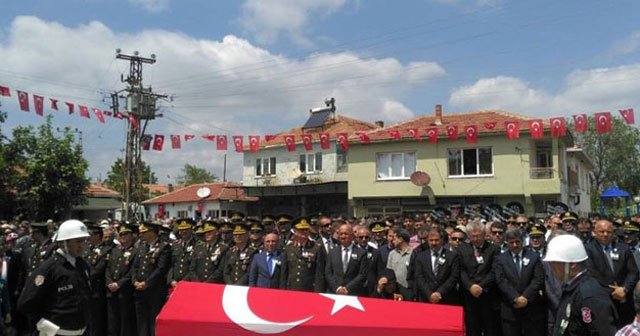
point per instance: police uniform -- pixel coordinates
(120, 307)
(237, 260)
(207, 257)
(300, 262)
(97, 256)
(181, 252)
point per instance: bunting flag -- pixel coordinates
(38, 103)
(4, 91)
(394, 134)
(188, 137)
(471, 132)
(221, 142)
(99, 115)
(254, 143)
(415, 133)
(325, 142)
(536, 129)
(490, 125)
(158, 142)
(513, 129)
(307, 141)
(175, 141)
(432, 135)
(343, 140)
(628, 116)
(270, 137)
(134, 122)
(452, 132)
(364, 137)
(603, 122)
(145, 141)
(70, 107)
(290, 142)
(580, 122)
(54, 104)
(237, 142)
(558, 127)
(84, 111)
(23, 100)
(209, 137)
(118, 115)
(107, 113)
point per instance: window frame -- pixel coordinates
(462, 168)
(316, 164)
(404, 176)
(266, 162)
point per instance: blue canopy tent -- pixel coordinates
(612, 193)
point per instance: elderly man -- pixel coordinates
(346, 268)
(437, 271)
(265, 266)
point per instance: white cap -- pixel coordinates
(71, 229)
(566, 248)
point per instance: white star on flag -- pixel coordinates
(341, 301)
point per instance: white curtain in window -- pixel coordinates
(382, 166)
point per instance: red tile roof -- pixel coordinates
(98, 190)
(219, 191)
(158, 188)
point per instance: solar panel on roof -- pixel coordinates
(317, 119)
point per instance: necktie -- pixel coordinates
(477, 251)
(270, 263)
(607, 253)
(345, 259)
(436, 265)
(518, 266)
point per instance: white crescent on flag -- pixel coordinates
(341, 138)
(579, 119)
(289, 140)
(237, 141)
(254, 141)
(535, 125)
(511, 126)
(450, 130)
(431, 133)
(556, 124)
(602, 120)
(323, 137)
(223, 140)
(470, 131)
(22, 96)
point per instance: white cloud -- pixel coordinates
(628, 45)
(268, 19)
(153, 6)
(221, 87)
(470, 3)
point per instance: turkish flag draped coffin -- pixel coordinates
(211, 309)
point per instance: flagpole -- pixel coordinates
(224, 169)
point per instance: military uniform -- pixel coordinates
(206, 262)
(35, 253)
(236, 265)
(120, 308)
(97, 258)
(181, 251)
(299, 265)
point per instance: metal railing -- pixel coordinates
(539, 173)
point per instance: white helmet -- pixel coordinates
(566, 248)
(71, 229)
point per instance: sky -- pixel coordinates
(241, 67)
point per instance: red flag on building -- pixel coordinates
(536, 129)
(238, 143)
(99, 115)
(343, 140)
(394, 134)
(471, 134)
(452, 132)
(432, 134)
(54, 104)
(307, 141)
(158, 142)
(628, 116)
(175, 141)
(38, 103)
(209, 137)
(490, 125)
(558, 127)
(254, 143)
(161, 210)
(118, 115)
(513, 129)
(290, 142)
(70, 107)
(603, 122)
(270, 137)
(84, 111)
(134, 122)
(325, 141)
(23, 100)
(107, 113)
(188, 137)
(4, 91)
(415, 133)
(221, 142)
(145, 141)
(364, 137)
(580, 122)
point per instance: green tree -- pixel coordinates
(115, 179)
(7, 171)
(194, 175)
(50, 172)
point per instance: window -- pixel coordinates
(213, 213)
(183, 214)
(265, 166)
(341, 160)
(311, 163)
(470, 162)
(395, 166)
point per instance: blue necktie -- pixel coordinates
(270, 263)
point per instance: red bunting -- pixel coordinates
(158, 142)
(513, 129)
(364, 137)
(432, 135)
(290, 141)
(99, 115)
(603, 122)
(490, 125)
(580, 122)
(254, 143)
(221, 142)
(415, 133)
(209, 137)
(175, 141)
(325, 142)
(471, 133)
(558, 127)
(237, 142)
(394, 134)
(452, 132)
(54, 104)
(134, 122)
(628, 116)
(307, 141)
(343, 140)
(145, 141)
(23, 100)
(107, 113)
(118, 115)
(38, 102)
(188, 137)
(69, 107)
(536, 128)
(84, 111)
(4, 91)
(270, 137)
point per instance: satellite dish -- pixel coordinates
(420, 179)
(203, 192)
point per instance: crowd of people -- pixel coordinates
(559, 275)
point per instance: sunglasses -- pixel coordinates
(497, 232)
(457, 238)
(363, 237)
(256, 232)
(521, 223)
(326, 225)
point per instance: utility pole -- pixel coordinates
(140, 108)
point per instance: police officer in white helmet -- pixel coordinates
(56, 297)
(585, 307)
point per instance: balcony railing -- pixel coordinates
(540, 173)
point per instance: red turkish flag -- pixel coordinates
(490, 125)
(343, 140)
(325, 141)
(118, 115)
(558, 127)
(270, 137)
(23, 100)
(307, 141)
(254, 143)
(4, 91)
(209, 137)
(536, 128)
(145, 141)
(99, 115)
(54, 104)
(471, 134)
(175, 141)
(290, 142)
(513, 129)
(628, 116)
(158, 142)
(38, 102)
(134, 122)
(580, 122)
(237, 142)
(432, 134)
(415, 133)
(199, 309)
(69, 107)
(394, 134)
(603, 122)
(107, 113)
(84, 111)
(221, 142)
(364, 137)
(452, 132)
(188, 137)
(161, 210)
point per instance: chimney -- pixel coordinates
(379, 123)
(438, 114)
(170, 187)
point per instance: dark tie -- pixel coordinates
(270, 263)
(345, 259)
(436, 265)
(518, 266)
(607, 254)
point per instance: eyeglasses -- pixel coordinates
(457, 238)
(363, 237)
(326, 225)
(497, 232)
(521, 223)
(256, 232)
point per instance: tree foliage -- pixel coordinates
(115, 179)
(194, 175)
(7, 198)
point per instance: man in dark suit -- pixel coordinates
(363, 237)
(437, 271)
(613, 265)
(520, 279)
(346, 268)
(265, 266)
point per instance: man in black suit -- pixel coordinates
(363, 237)
(346, 268)
(520, 279)
(613, 265)
(265, 266)
(437, 271)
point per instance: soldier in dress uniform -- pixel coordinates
(377, 233)
(283, 225)
(269, 223)
(256, 232)
(537, 240)
(207, 258)
(631, 233)
(226, 229)
(39, 249)
(97, 256)
(181, 252)
(301, 260)
(120, 308)
(149, 274)
(569, 222)
(238, 258)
